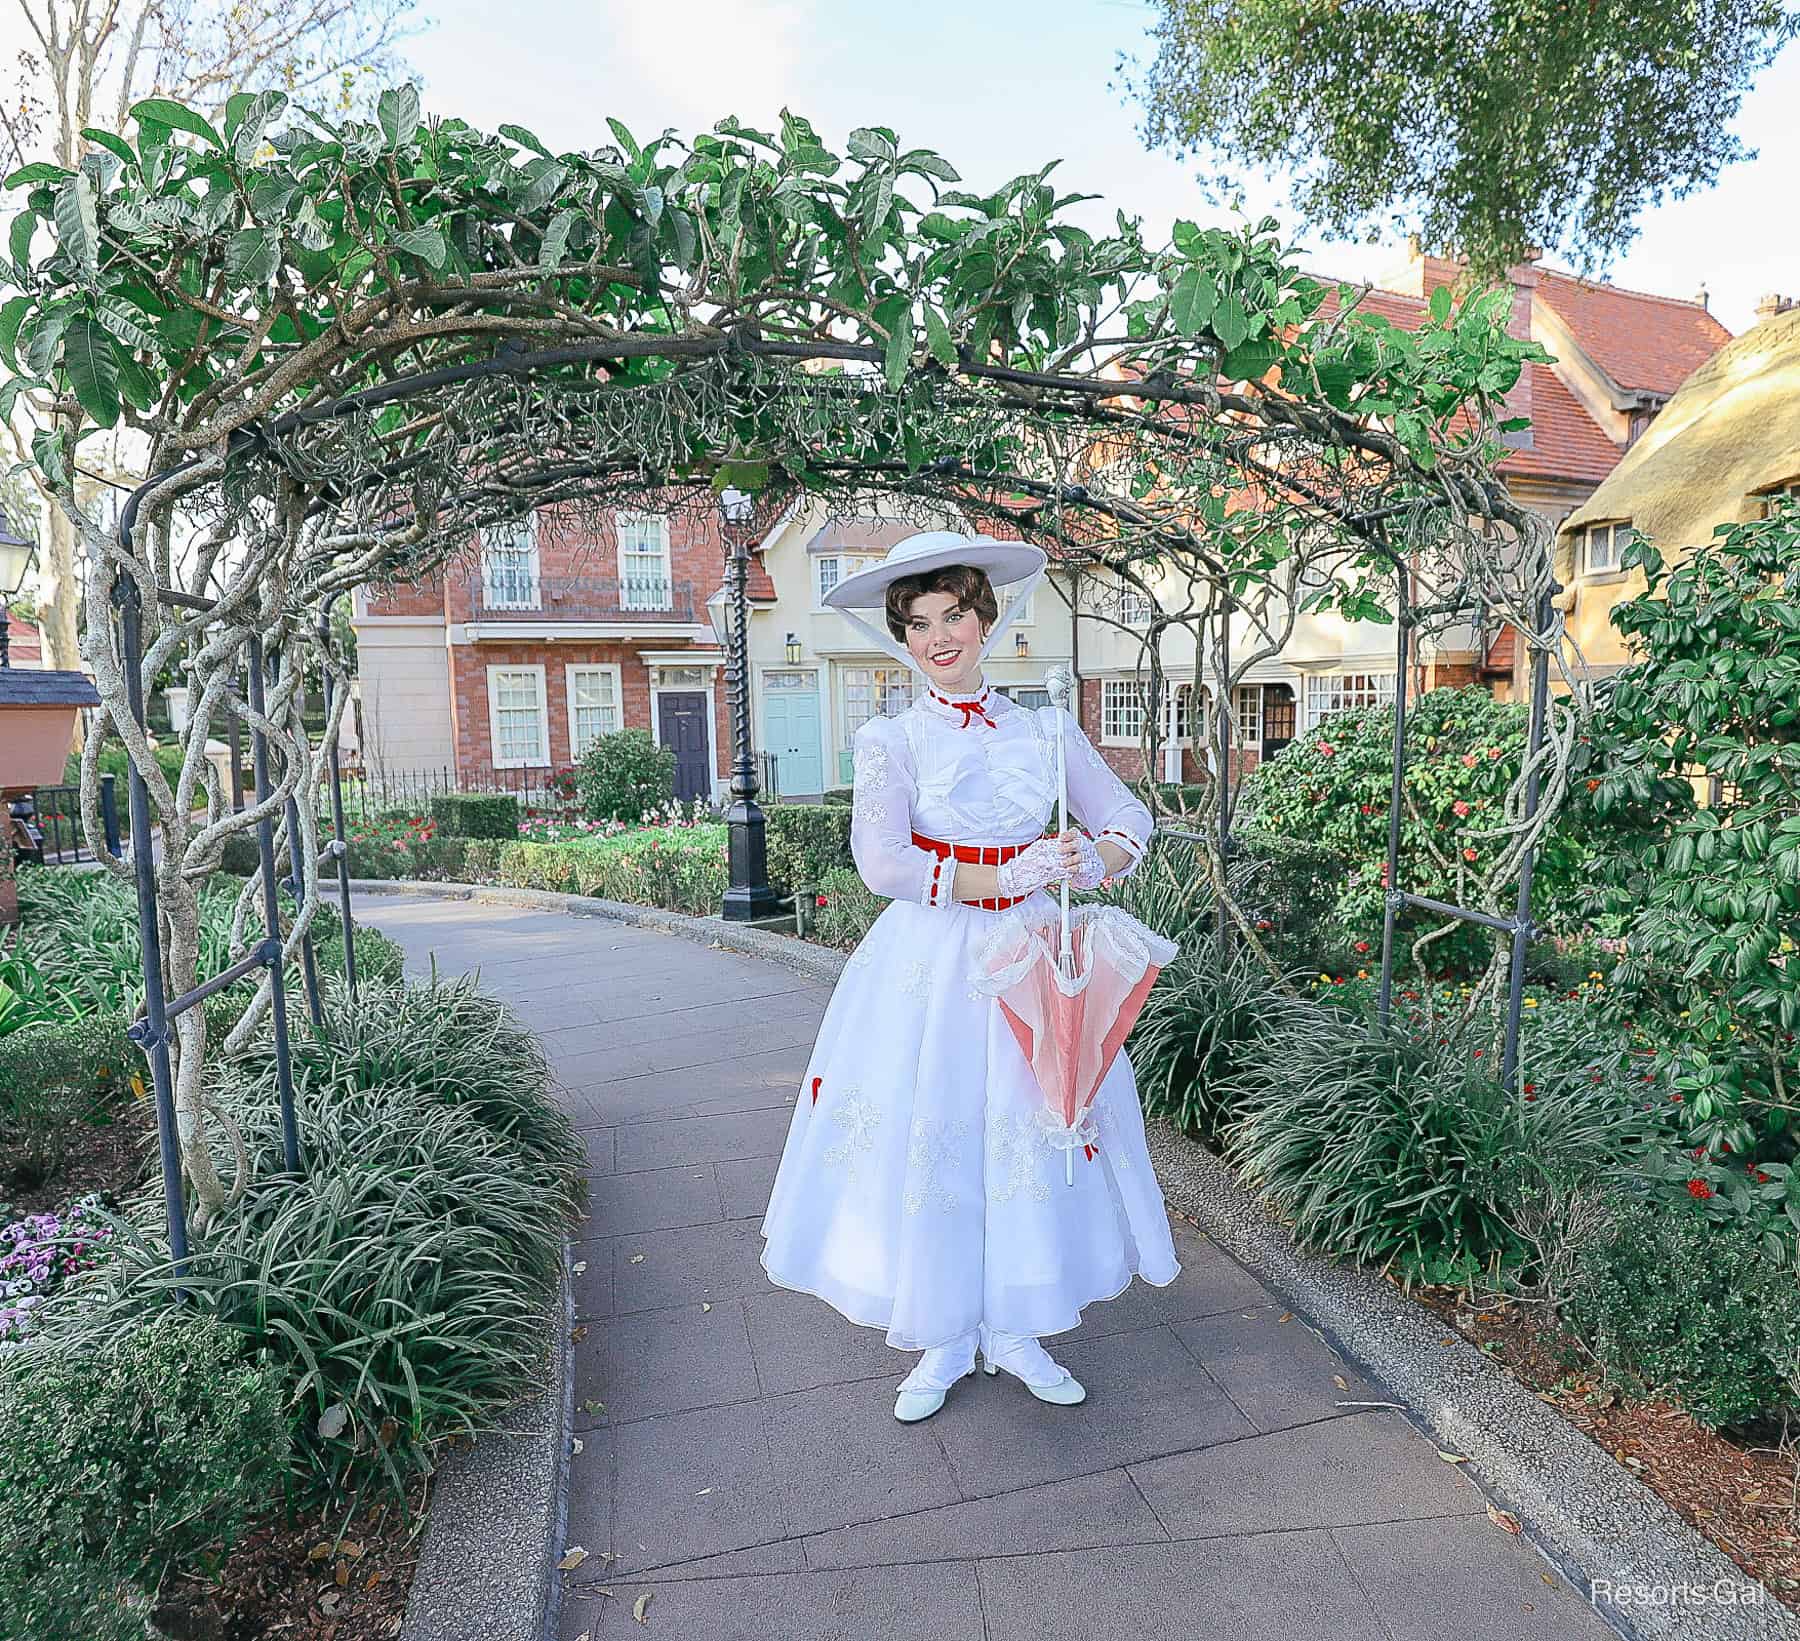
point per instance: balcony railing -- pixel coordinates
(519, 596)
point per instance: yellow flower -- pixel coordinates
(1324, 980)
(1362, 974)
(1531, 1002)
(1594, 974)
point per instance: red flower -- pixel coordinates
(1593, 786)
(1362, 945)
(1460, 807)
(1699, 1189)
(822, 900)
(1761, 1177)
(1326, 749)
(1469, 760)
(1529, 1087)
(1493, 752)
(1469, 854)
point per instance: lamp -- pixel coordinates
(16, 555)
(793, 650)
(747, 895)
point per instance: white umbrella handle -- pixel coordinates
(1066, 952)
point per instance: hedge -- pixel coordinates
(476, 814)
(804, 842)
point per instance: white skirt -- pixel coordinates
(919, 1192)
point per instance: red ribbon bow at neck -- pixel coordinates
(971, 710)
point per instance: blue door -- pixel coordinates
(791, 732)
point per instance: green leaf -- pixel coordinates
(1230, 323)
(427, 243)
(13, 314)
(122, 322)
(868, 144)
(10, 390)
(309, 228)
(46, 451)
(625, 140)
(77, 223)
(113, 145)
(899, 350)
(264, 109)
(398, 110)
(40, 341)
(938, 339)
(1193, 301)
(24, 225)
(518, 134)
(29, 176)
(253, 255)
(93, 372)
(166, 111)
(1440, 304)
(556, 239)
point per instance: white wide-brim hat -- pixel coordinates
(1009, 564)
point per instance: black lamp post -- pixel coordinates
(16, 554)
(749, 896)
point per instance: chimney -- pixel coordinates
(1703, 295)
(1773, 304)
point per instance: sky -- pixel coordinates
(1000, 87)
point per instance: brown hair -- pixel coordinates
(970, 587)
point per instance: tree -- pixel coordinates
(93, 62)
(1488, 129)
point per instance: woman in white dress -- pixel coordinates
(918, 1191)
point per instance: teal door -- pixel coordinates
(791, 732)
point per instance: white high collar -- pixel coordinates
(948, 704)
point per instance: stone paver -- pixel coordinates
(740, 1456)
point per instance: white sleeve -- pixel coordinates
(1099, 799)
(887, 859)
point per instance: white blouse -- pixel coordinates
(981, 777)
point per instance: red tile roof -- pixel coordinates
(1566, 442)
(1643, 342)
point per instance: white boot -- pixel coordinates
(1026, 1360)
(922, 1390)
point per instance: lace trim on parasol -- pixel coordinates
(1017, 942)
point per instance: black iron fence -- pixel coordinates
(46, 823)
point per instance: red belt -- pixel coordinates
(978, 854)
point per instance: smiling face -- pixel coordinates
(945, 637)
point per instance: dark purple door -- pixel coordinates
(681, 718)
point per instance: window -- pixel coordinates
(1776, 494)
(870, 692)
(831, 568)
(1121, 709)
(1023, 618)
(509, 565)
(1601, 545)
(518, 726)
(644, 579)
(1329, 692)
(593, 705)
(1134, 607)
(1249, 714)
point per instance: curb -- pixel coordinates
(1585, 1513)
(804, 957)
(499, 1512)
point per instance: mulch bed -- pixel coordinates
(1742, 1495)
(318, 1579)
(105, 1159)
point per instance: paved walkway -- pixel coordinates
(739, 1449)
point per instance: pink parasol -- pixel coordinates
(1070, 1004)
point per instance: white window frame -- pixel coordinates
(625, 526)
(571, 672)
(881, 679)
(536, 669)
(1122, 712)
(1249, 715)
(1134, 607)
(513, 548)
(843, 565)
(1615, 534)
(1331, 692)
(1026, 616)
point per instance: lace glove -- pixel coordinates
(1030, 869)
(1090, 869)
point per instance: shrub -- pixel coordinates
(53, 1079)
(850, 908)
(804, 842)
(1400, 1147)
(476, 814)
(122, 1456)
(1671, 1301)
(623, 774)
(447, 1042)
(1331, 786)
(1709, 896)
